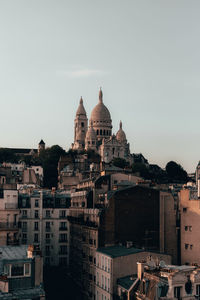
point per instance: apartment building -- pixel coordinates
(101, 217)
(189, 227)
(44, 224)
(10, 215)
(21, 273)
(118, 261)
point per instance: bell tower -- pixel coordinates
(80, 127)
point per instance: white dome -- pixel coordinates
(121, 136)
(100, 114)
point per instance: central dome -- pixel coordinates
(100, 116)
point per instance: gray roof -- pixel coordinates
(127, 281)
(117, 251)
(31, 293)
(13, 252)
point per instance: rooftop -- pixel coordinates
(13, 252)
(117, 251)
(127, 281)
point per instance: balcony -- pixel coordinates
(48, 241)
(9, 225)
(48, 229)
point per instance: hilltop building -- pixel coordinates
(98, 136)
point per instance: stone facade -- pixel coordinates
(98, 136)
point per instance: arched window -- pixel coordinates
(107, 132)
(100, 131)
(104, 132)
(97, 131)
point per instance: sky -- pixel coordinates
(145, 54)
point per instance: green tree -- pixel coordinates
(49, 160)
(141, 169)
(120, 162)
(175, 172)
(7, 155)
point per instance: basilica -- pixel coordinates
(98, 135)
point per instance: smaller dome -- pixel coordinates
(121, 136)
(91, 134)
(81, 109)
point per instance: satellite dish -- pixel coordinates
(162, 264)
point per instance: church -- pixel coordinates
(98, 135)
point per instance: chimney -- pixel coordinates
(140, 269)
(30, 251)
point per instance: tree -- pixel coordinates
(175, 172)
(49, 161)
(141, 169)
(7, 155)
(120, 162)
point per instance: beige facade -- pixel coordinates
(190, 220)
(115, 262)
(44, 224)
(9, 220)
(168, 282)
(98, 136)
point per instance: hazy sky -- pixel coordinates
(144, 54)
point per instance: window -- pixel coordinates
(191, 246)
(24, 213)
(63, 249)
(177, 292)
(36, 237)
(7, 270)
(24, 238)
(62, 213)
(36, 214)
(17, 270)
(184, 209)
(47, 248)
(186, 246)
(48, 226)
(82, 124)
(102, 262)
(27, 269)
(198, 289)
(190, 228)
(63, 237)
(186, 228)
(63, 225)
(35, 225)
(48, 214)
(24, 226)
(36, 203)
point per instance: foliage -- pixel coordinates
(175, 172)
(7, 155)
(49, 160)
(120, 162)
(141, 169)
